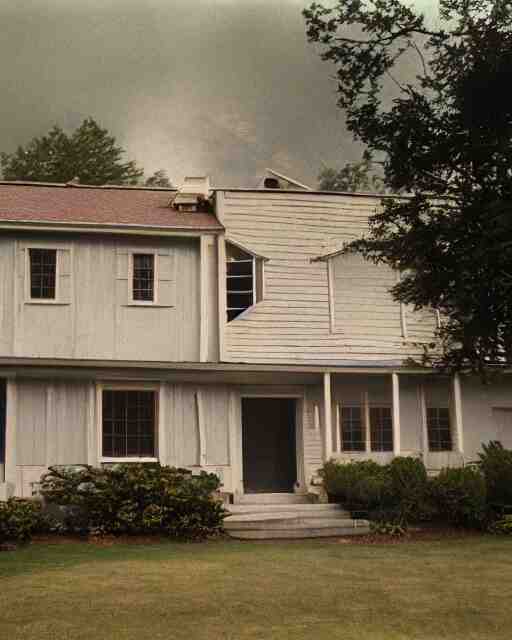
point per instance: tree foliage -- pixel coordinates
(354, 176)
(158, 179)
(445, 138)
(89, 154)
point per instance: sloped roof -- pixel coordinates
(116, 206)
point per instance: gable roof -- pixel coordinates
(109, 205)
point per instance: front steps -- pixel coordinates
(260, 517)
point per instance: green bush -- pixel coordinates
(135, 498)
(496, 465)
(410, 489)
(19, 519)
(461, 496)
(359, 486)
(503, 526)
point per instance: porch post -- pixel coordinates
(457, 413)
(10, 439)
(327, 417)
(396, 413)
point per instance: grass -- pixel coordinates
(239, 591)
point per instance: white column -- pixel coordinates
(366, 422)
(201, 429)
(396, 413)
(205, 244)
(327, 417)
(457, 413)
(10, 438)
(423, 415)
(162, 424)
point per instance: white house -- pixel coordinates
(138, 325)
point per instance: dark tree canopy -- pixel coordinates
(158, 179)
(354, 176)
(89, 154)
(445, 138)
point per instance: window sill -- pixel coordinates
(149, 304)
(123, 460)
(57, 303)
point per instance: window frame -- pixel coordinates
(380, 407)
(437, 408)
(258, 278)
(57, 300)
(131, 268)
(360, 407)
(100, 388)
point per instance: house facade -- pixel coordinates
(220, 330)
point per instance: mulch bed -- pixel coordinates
(424, 534)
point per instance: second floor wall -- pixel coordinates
(91, 311)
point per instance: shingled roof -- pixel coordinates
(116, 206)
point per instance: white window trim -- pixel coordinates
(143, 303)
(57, 301)
(128, 386)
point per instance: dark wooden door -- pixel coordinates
(268, 444)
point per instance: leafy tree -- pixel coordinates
(158, 179)
(356, 176)
(446, 138)
(89, 154)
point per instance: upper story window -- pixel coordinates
(43, 274)
(439, 429)
(144, 277)
(240, 281)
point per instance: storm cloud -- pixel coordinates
(225, 87)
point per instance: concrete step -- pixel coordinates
(294, 531)
(284, 521)
(299, 511)
(313, 508)
(274, 498)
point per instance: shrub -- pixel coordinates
(135, 498)
(410, 489)
(19, 519)
(496, 465)
(461, 496)
(359, 486)
(503, 526)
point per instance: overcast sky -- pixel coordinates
(224, 87)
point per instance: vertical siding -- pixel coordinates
(94, 317)
(292, 323)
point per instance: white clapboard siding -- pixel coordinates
(294, 323)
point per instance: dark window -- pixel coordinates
(43, 272)
(239, 281)
(439, 431)
(129, 424)
(352, 429)
(381, 429)
(143, 276)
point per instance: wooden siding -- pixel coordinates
(294, 323)
(93, 316)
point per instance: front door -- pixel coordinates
(268, 444)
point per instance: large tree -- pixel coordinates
(445, 138)
(354, 176)
(89, 153)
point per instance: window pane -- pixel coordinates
(381, 429)
(143, 276)
(352, 429)
(438, 428)
(128, 423)
(239, 281)
(43, 272)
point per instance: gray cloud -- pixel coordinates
(221, 86)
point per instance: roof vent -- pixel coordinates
(271, 183)
(193, 194)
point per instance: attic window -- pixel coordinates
(271, 183)
(240, 281)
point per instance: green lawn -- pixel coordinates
(315, 590)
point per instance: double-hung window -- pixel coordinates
(439, 429)
(352, 429)
(143, 285)
(129, 423)
(381, 429)
(43, 274)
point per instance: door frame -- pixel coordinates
(299, 397)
